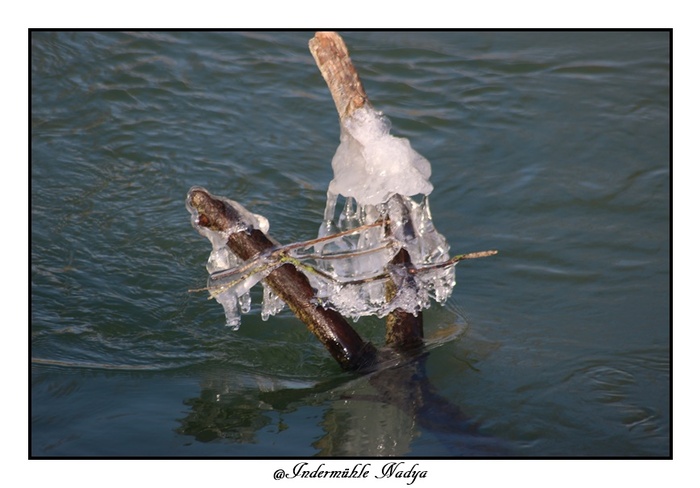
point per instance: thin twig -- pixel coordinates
(319, 240)
(298, 263)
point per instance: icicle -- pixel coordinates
(272, 304)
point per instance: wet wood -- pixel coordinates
(404, 330)
(291, 285)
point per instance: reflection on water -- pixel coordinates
(552, 147)
(379, 415)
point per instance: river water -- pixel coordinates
(552, 147)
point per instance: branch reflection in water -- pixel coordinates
(378, 414)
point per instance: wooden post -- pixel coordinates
(404, 330)
(291, 285)
(333, 60)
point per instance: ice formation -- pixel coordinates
(371, 165)
(350, 263)
(230, 280)
(377, 174)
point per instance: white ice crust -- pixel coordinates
(378, 174)
(370, 165)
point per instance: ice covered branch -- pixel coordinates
(404, 324)
(212, 214)
(381, 256)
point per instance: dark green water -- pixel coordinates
(551, 147)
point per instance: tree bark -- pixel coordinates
(333, 60)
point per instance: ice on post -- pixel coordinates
(377, 175)
(377, 211)
(377, 178)
(371, 165)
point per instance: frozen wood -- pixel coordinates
(291, 285)
(404, 330)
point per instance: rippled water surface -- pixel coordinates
(552, 147)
